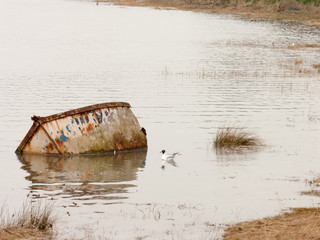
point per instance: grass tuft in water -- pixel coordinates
(316, 66)
(33, 215)
(235, 137)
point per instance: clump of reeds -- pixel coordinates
(297, 46)
(235, 138)
(316, 66)
(33, 215)
(289, 5)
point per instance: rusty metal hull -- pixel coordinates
(98, 128)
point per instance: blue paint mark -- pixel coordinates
(63, 137)
(87, 119)
(99, 117)
(57, 131)
(81, 120)
(44, 148)
(68, 129)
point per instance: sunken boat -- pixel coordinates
(99, 128)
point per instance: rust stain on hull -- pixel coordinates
(98, 128)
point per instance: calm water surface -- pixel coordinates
(185, 74)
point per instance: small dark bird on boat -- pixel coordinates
(144, 131)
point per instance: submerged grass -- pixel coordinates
(316, 66)
(235, 137)
(299, 46)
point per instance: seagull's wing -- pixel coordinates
(172, 162)
(172, 156)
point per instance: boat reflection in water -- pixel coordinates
(83, 177)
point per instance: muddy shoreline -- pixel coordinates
(298, 223)
(301, 223)
(263, 11)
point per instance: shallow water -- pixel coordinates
(185, 74)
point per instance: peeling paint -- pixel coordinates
(68, 128)
(82, 121)
(104, 127)
(99, 117)
(63, 137)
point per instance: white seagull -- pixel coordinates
(169, 158)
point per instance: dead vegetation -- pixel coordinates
(312, 193)
(235, 138)
(315, 187)
(298, 67)
(317, 67)
(308, 10)
(301, 223)
(31, 222)
(289, 5)
(300, 46)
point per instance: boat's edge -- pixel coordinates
(139, 149)
(80, 110)
(26, 139)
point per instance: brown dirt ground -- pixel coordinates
(302, 223)
(309, 14)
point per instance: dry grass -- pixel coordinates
(298, 46)
(31, 221)
(316, 66)
(298, 67)
(234, 138)
(301, 223)
(257, 9)
(298, 62)
(315, 184)
(289, 5)
(312, 193)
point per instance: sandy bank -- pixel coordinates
(247, 9)
(300, 223)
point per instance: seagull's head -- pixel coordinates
(163, 151)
